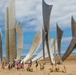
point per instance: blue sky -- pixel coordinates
(29, 13)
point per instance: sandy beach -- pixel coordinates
(70, 65)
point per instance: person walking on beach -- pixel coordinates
(36, 64)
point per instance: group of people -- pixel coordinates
(15, 64)
(4, 64)
(56, 68)
(18, 65)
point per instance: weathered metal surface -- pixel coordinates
(41, 53)
(7, 34)
(36, 43)
(46, 9)
(20, 40)
(51, 51)
(59, 38)
(10, 31)
(72, 45)
(0, 47)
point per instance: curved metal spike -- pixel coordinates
(0, 46)
(46, 15)
(36, 43)
(41, 53)
(59, 38)
(72, 45)
(46, 9)
(73, 26)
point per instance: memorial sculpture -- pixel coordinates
(0, 46)
(46, 9)
(36, 43)
(52, 52)
(10, 26)
(41, 53)
(20, 40)
(7, 34)
(72, 45)
(10, 31)
(43, 36)
(55, 49)
(59, 38)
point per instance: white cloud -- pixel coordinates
(61, 12)
(28, 9)
(3, 4)
(32, 9)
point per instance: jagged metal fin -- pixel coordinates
(36, 44)
(69, 50)
(41, 53)
(51, 50)
(59, 38)
(43, 42)
(12, 31)
(72, 45)
(0, 46)
(73, 26)
(20, 40)
(46, 15)
(46, 9)
(7, 34)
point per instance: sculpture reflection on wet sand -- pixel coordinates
(46, 9)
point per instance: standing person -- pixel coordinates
(9, 66)
(36, 64)
(13, 64)
(16, 64)
(22, 65)
(29, 65)
(19, 65)
(3, 64)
